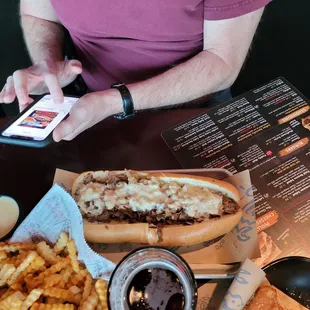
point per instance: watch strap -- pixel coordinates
(128, 105)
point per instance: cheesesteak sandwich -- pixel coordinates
(155, 208)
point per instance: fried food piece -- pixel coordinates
(65, 274)
(2, 292)
(91, 302)
(15, 304)
(51, 300)
(60, 294)
(16, 246)
(17, 287)
(47, 253)
(29, 280)
(14, 298)
(61, 243)
(16, 301)
(78, 298)
(48, 272)
(38, 306)
(39, 278)
(73, 257)
(101, 289)
(75, 290)
(35, 306)
(30, 257)
(264, 299)
(5, 273)
(38, 264)
(87, 288)
(8, 293)
(31, 298)
(17, 260)
(50, 281)
(3, 255)
(77, 278)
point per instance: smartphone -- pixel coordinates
(34, 126)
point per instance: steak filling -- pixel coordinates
(134, 198)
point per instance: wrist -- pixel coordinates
(112, 100)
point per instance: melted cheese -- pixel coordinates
(153, 194)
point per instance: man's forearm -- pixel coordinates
(44, 39)
(203, 74)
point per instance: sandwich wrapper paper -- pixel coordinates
(228, 294)
(243, 286)
(235, 247)
(55, 213)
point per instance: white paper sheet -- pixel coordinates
(57, 212)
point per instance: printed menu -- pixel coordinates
(265, 131)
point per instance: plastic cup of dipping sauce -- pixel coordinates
(9, 215)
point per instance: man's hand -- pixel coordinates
(88, 111)
(41, 78)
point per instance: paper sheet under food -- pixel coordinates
(234, 247)
(57, 212)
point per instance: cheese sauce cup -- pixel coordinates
(152, 278)
(9, 216)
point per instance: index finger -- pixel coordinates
(53, 85)
(20, 84)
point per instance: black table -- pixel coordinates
(27, 173)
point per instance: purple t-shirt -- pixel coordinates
(129, 41)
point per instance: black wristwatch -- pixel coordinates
(129, 110)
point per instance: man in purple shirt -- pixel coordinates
(166, 52)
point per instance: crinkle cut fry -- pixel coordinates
(47, 253)
(60, 294)
(91, 302)
(8, 293)
(65, 274)
(73, 256)
(31, 298)
(30, 257)
(39, 306)
(16, 246)
(17, 260)
(6, 303)
(78, 277)
(52, 270)
(6, 272)
(37, 265)
(87, 288)
(61, 243)
(3, 255)
(51, 280)
(101, 288)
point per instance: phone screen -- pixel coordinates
(41, 119)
